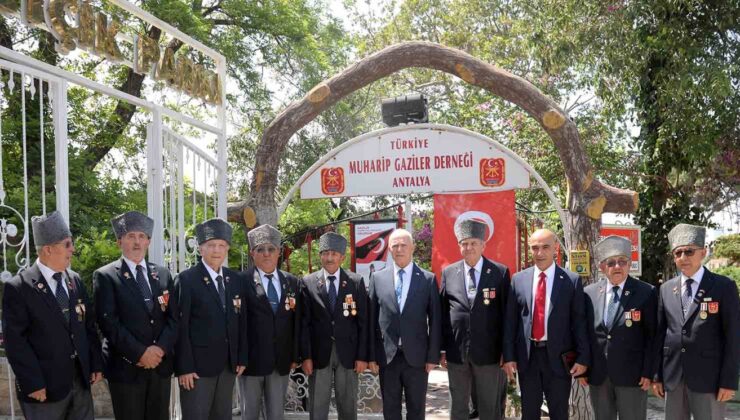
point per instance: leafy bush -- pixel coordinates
(728, 246)
(92, 251)
(732, 272)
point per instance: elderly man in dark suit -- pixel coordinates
(211, 347)
(474, 292)
(137, 322)
(621, 314)
(698, 336)
(49, 326)
(545, 321)
(405, 329)
(335, 331)
(272, 318)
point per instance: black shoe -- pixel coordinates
(473, 414)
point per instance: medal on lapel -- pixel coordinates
(713, 307)
(289, 300)
(164, 300)
(486, 296)
(636, 316)
(207, 280)
(237, 301)
(703, 310)
(350, 304)
(345, 309)
(628, 319)
(80, 309)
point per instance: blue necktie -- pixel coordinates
(472, 287)
(613, 305)
(222, 291)
(686, 298)
(145, 292)
(61, 296)
(332, 293)
(399, 288)
(272, 294)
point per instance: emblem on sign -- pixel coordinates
(492, 172)
(332, 181)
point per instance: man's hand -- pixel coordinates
(151, 358)
(240, 369)
(578, 369)
(725, 394)
(658, 390)
(95, 377)
(187, 381)
(645, 383)
(510, 370)
(443, 360)
(39, 395)
(307, 366)
(374, 368)
(360, 366)
(583, 381)
(431, 366)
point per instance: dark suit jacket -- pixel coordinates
(41, 346)
(321, 328)
(477, 329)
(704, 351)
(128, 327)
(566, 320)
(273, 337)
(630, 349)
(419, 325)
(209, 338)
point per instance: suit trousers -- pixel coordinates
(77, 405)
(211, 399)
(488, 386)
(399, 379)
(252, 390)
(147, 400)
(610, 401)
(539, 379)
(683, 403)
(345, 390)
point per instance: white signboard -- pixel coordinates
(407, 160)
(370, 248)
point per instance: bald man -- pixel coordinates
(545, 319)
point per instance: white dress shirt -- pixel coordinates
(478, 267)
(328, 283)
(408, 271)
(214, 274)
(610, 296)
(549, 279)
(266, 281)
(48, 274)
(132, 267)
(694, 285)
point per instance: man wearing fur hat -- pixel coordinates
(621, 313)
(272, 318)
(211, 345)
(50, 337)
(334, 333)
(698, 337)
(137, 322)
(474, 292)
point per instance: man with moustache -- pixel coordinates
(474, 292)
(272, 318)
(137, 322)
(335, 331)
(405, 329)
(545, 319)
(211, 348)
(698, 339)
(621, 313)
(49, 328)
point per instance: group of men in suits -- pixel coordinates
(212, 325)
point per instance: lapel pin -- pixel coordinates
(207, 280)
(344, 283)
(488, 271)
(226, 279)
(626, 292)
(126, 274)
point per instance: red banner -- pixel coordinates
(496, 209)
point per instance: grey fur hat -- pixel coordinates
(132, 221)
(331, 241)
(612, 246)
(470, 228)
(684, 234)
(264, 234)
(215, 228)
(49, 229)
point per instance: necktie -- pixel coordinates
(472, 287)
(332, 293)
(686, 297)
(221, 291)
(272, 294)
(141, 281)
(611, 311)
(399, 288)
(61, 296)
(538, 325)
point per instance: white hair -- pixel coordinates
(401, 233)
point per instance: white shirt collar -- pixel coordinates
(696, 277)
(610, 286)
(549, 271)
(264, 275)
(132, 265)
(327, 274)
(478, 266)
(212, 273)
(47, 272)
(407, 270)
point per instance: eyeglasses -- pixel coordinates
(265, 250)
(69, 243)
(621, 263)
(688, 252)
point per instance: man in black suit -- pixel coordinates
(474, 292)
(405, 329)
(545, 319)
(272, 318)
(698, 337)
(335, 331)
(211, 347)
(49, 328)
(137, 322)
(621, 313)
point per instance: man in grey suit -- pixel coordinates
(698, 339)
(405, 329)
(545, 320)
(621, 312)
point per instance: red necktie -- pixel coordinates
(538, 328)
